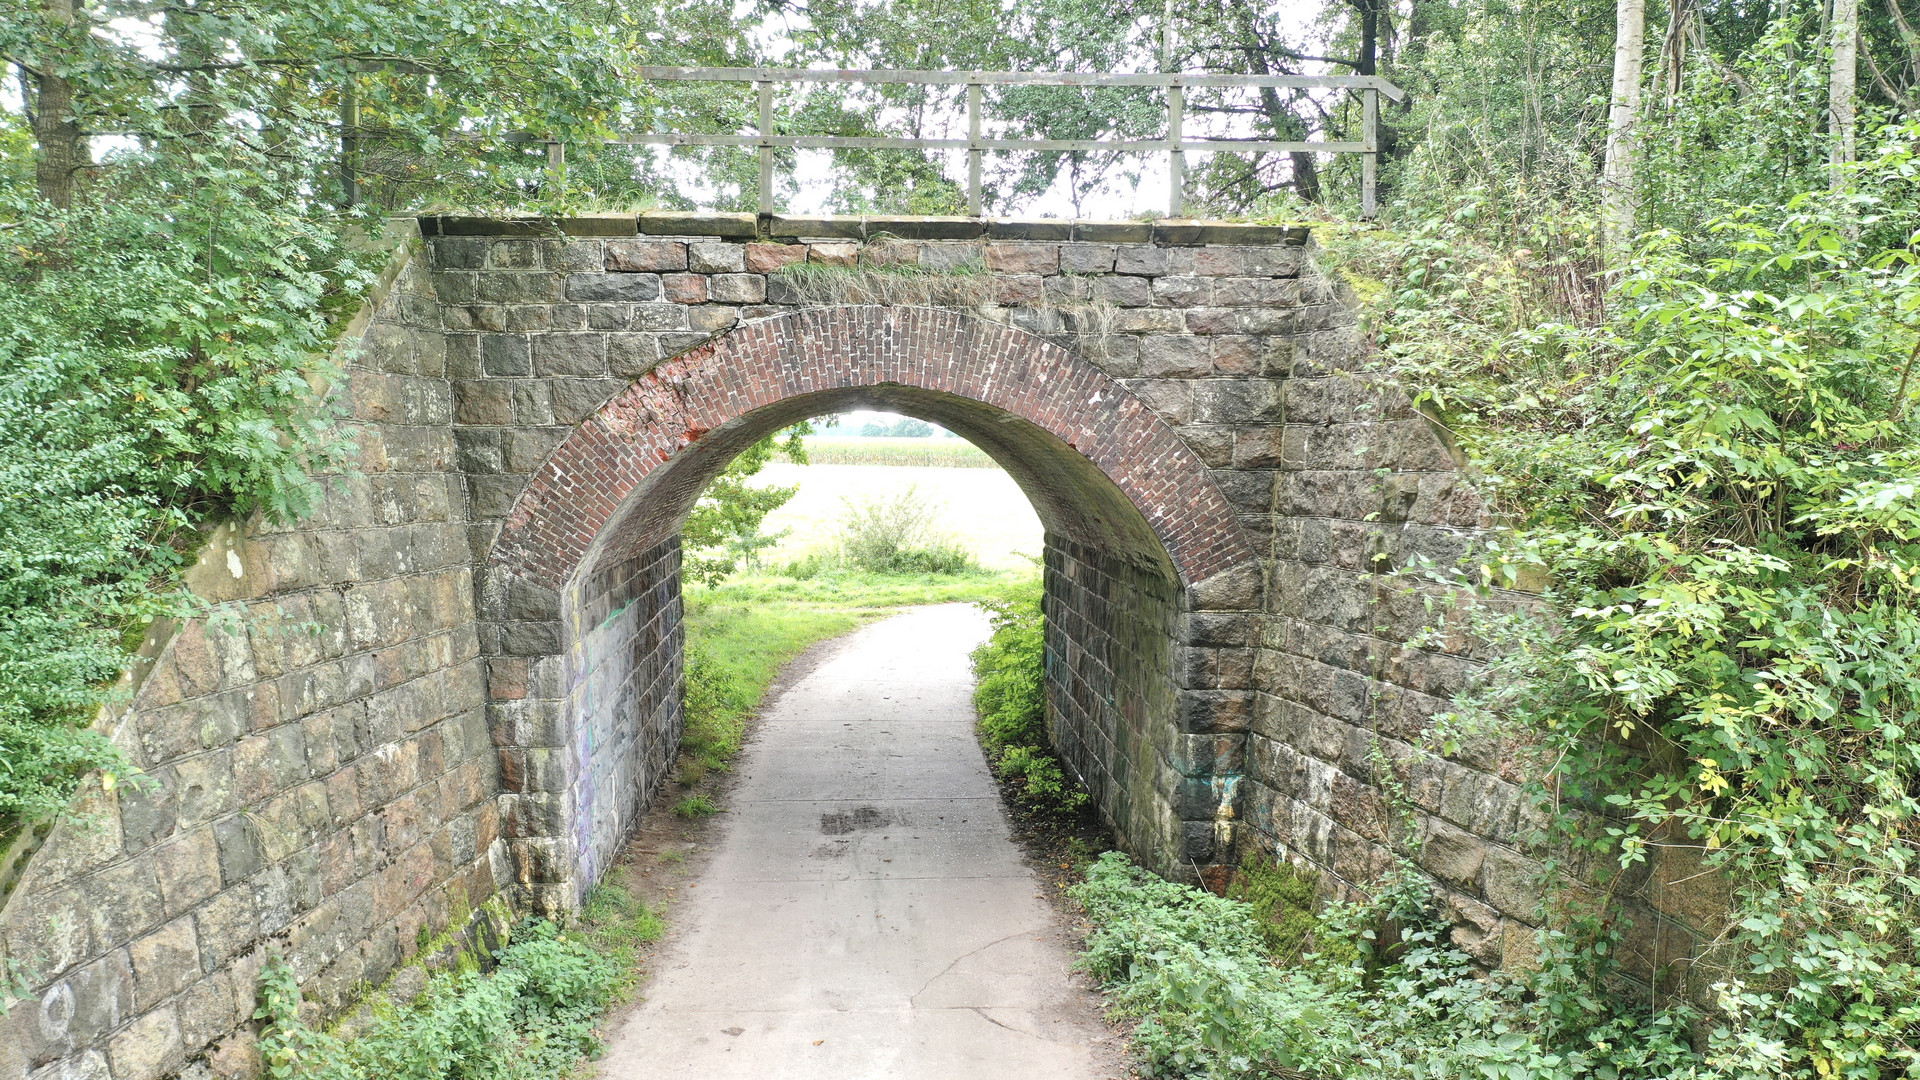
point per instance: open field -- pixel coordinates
(981, 508)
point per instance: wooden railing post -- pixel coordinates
(766, 149)
(1370, 157)
(974, 152)
(1176, 156)
(556, 164)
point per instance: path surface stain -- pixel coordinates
(858, 819)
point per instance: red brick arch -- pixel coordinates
(1090, 454)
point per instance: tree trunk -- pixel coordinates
(56, 133)
(1368, 62)
(1840, 84)
(1623, 117)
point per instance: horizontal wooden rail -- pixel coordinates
(1175, 144)
(1016, 78)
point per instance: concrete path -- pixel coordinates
(866, 914)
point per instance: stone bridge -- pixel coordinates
(454, 689)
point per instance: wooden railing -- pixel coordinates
(1175, 144)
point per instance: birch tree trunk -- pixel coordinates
(1623, 116)
(1840, 84)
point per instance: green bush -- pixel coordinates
(1718, 484)
(1010, 666)
(898, 534)
(1381, 995)
(1281, 898)
(1010, 698)
(155, 358)
(533, 1017)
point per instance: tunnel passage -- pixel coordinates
(583, 581)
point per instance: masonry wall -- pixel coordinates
(1110, 695)
(625, 674)
(318, 778)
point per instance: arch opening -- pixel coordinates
(586, 575)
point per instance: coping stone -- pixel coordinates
(1181, 232)
(1030, 230)
(830, 227)
(1114, 232)
(694, 223)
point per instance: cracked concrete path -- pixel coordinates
(866, 913)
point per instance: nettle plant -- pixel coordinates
(1723, 484)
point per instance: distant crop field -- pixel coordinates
(938, 453)
(981, 508)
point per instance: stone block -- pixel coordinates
(1149, 320)
(1123, 291)
(768, 258)
(613, 288)
(514, 255)
(165, 962)
(86, 1065)
(630, 356)
(481, 401)
(1169, 356)
(737, 288)
(712, 258)
(1113, 232)
(684, 288)
(1182, 291)
(207, 1010)
(1143, 259)
(950, 256)
(712, 318)
(1023, 258)
(570, 354)
(838, 254)
(1512, 883)
(204, 787)
(646, 256)
(1453, 855)
(148, 1048)
(663, 316)
(188, 869)
(696, 223)
(519, 288)
(572, 255)
(505, 355)
(1086, 258)
(79, 1011)
(888, 251)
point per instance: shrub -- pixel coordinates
(534, 1016)
(1281, 898)
(1011, 667)
(715, 705)
(1381, 994)
(897, 534)
(1010, 698)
